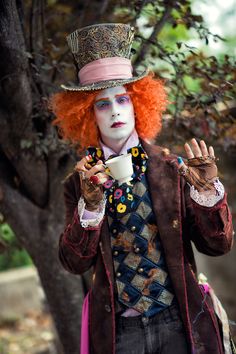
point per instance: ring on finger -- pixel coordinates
(82, 174)
(94, 179)
(183, 170)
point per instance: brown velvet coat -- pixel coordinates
(180, 221)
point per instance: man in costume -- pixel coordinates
(136, 236)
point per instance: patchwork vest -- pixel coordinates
(141, 273)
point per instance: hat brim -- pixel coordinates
(105, 84)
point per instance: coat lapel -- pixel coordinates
(164, 186)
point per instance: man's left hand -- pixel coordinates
(199, 169)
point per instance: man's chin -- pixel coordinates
(121, 135)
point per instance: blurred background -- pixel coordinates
(191, 45)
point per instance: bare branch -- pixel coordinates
(157, 28)
(37, 39)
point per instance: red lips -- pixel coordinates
(117, 124)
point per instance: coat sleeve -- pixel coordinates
(77, 245)
(210, 228)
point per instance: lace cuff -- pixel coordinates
(99, 215)
(208, 200)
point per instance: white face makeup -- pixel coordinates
(114, 113)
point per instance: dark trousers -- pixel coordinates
(160, 334)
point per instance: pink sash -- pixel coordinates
(84, 338)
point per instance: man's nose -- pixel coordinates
(115, 110)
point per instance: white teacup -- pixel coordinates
(121, 168)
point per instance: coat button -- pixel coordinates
(165, 152)
(133, 228)
(114, 231)
(140, 270)
(118, 274)
(137, 249)
(175, 223)
(115, 253)
(108, 308)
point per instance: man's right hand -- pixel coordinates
(91, 179)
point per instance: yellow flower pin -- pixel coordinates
(135, 151)
(130, 197)
(99, 152)
(121, 208)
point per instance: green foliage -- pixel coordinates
(192, 84)
(172, 35)
(198, 80)
(14, 255)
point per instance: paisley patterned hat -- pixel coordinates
(102, 56)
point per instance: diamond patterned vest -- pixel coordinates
(141, 274)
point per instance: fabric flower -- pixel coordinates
(130, 197)
(143, 155)
(107, 171)
(121, 208)
(99, 152)
(108, 183)
(118, 193)
(135, 151)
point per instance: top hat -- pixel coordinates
(102, 56)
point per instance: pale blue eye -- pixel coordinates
(123, 99)
(102, 104)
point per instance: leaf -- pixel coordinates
(179, 44)
(197, 18)
(25, 144)
(29, 55)
(47, 66)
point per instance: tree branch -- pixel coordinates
(157, 28)
(37, 39)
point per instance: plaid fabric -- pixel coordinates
(142, 277)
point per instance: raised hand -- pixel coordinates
(95, 174)
(199, 169)
(91, 180)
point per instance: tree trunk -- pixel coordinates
(31, 187)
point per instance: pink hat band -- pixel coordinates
(106, 69)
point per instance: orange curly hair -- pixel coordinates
(75, 113)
